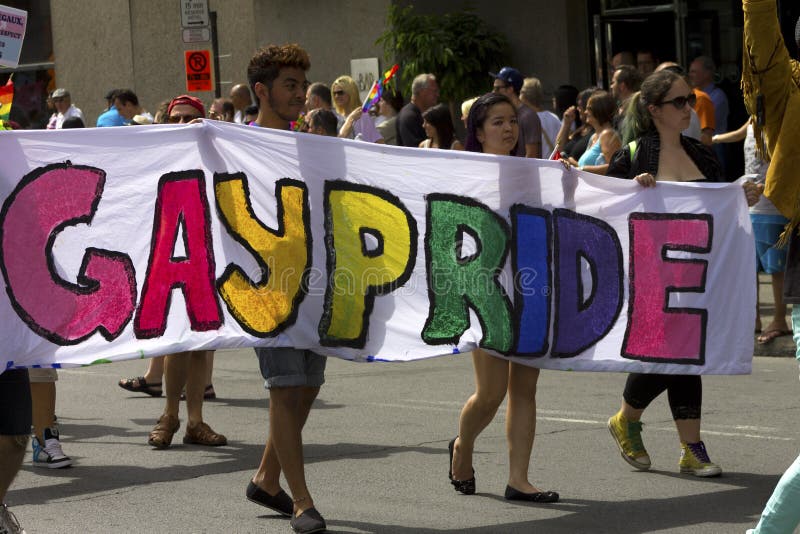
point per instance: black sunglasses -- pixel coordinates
(183, 119)
(680, 101)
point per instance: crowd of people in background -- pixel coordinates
(651, 108)
(421, 120)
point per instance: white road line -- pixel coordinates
(729, 431)
(740, 435)
(563, 420)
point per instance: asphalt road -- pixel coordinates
(376, 449)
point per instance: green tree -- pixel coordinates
(459, 48)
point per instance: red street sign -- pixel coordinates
(198, 71)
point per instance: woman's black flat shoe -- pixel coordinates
(467, 487)
(539, 496)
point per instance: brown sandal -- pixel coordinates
(161, 435)
(201, 434)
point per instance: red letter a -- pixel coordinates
(181, 203)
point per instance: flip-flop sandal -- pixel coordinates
(771, 335)
(140, 385)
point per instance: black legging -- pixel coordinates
(685, 393)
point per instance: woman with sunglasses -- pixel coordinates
(655, 151)
(345, 95)
(492, 128)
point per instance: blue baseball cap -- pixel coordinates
(511, 76)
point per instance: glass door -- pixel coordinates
(630, 26)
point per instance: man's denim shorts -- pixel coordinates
(286, 367)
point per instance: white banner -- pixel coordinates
(123, 243)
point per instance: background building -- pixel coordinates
(91, 46)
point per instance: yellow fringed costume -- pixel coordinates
(769, 71)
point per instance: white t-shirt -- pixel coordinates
(551, 124)
(758, 167)
(57, 119)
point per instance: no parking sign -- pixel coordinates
(198, 70)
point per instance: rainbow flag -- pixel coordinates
(6, 97)
(375, 93)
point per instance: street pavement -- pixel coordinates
(376, 453)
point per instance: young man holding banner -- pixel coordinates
(277, 76)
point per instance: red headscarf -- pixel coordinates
(187, 100)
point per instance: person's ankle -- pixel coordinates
(301, 504)
(191, 422)
(631, 418)
(273, 487)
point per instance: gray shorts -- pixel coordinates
(286, 367)
(15, 403)
(43, 375)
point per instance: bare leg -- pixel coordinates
(491, 384)
(155, 370)
(758, 304)
(176, 371)
(288, 411)
(631, 413)
(779, 321)
(688, 430)
(196, 385)
(43, 405)
(209, 367)
(12, 452)
(521, 424)
(268, 475)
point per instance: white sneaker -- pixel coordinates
(50, 455)
(8, 522)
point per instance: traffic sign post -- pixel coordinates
(196, 35)
(194, 13)
(195, 21)
(198, 71)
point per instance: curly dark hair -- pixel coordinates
(267, 62)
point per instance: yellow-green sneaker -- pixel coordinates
(695, 461)
(628, 435)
